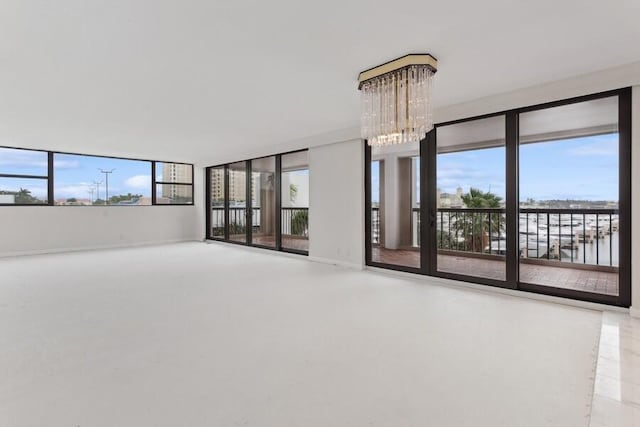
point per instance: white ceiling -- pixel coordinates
(203, 80)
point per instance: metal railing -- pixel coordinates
(577, 236)
(472, 230)
(584, 236)
(295, 221)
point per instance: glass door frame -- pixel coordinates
(249, 205)
(428, 209)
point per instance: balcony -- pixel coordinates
(564, 248)
(294, 225)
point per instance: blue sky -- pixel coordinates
(74, 175)
(580, 168)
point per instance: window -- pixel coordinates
(470, 198)
(535, 199)
(262, 202)
(217, 202)
(295, 201)
(569, 197)
(98, 181)
(24, 177)
(173, 184)
(395, 205)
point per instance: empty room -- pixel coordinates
(287, 213)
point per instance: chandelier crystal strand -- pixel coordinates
(396, 105)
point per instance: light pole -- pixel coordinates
(91, 190)
(106, 176)
(97, 184)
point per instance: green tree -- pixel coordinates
(293, 192)
(475, 226)
(113, 200)
(24, 197)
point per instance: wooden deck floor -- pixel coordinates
(560, 277)
(296, 243)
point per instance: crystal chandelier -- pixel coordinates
(396, 100)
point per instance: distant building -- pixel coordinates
(174, 172)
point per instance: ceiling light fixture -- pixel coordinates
(396, 100)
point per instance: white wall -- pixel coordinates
(336, 215)
(41, 229)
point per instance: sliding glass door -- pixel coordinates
(237, 182)
(394, 194)
(535, 198)
(262, 202)
(570, 197)
(471, 235)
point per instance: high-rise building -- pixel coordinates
(178, 173)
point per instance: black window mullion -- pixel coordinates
(367, 202)
(428, 208)
(624, 177)
(512, 204)
(50, 168)
(248, 204)
(153, 184)
(207, 202)
(226, 202)
(278, 184)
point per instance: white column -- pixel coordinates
(391, 202)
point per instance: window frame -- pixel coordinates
(249, 226)
(155, 182)
(50, 177)
(428, 233)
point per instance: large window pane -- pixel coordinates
(395, 205)
(295, 201)
(217, 200)
(569, 195)
(23, 162)
(471, 218)
(174, 173)
(237, 202)
(174, 194)
(22, 191)
(87, 180)
(263, 201)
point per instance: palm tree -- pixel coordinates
(475, 226)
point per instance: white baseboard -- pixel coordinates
(91, 248)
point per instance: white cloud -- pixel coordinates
(140, 182)
(20, 159)
(66, 164)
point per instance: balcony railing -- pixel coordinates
(294, 221)
(576, 236)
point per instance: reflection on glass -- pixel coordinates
(263, 201)
(174, 173)
(295, 201)
(569, 223)
(237, 202)
(395, 205)
(174, 194)
(471, 218)
(217, 198)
